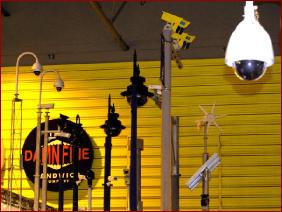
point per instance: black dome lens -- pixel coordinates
(249, 69)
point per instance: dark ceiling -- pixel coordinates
(72, 32)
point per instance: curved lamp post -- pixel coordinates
(59, 84)
(37, 69)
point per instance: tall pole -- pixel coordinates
(133, 150)
(45, 158)
(112, 128)
(38, 140)
(166, 123)
(61, 182)
(37, 162)
(108, 155)
(89, 176)
(175, 164)
(137, 87)
(107, 174)
(37, 68)
(76, 145)
(75, 177)
(140, 147)
(205, 180)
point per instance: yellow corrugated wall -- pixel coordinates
(249, 144)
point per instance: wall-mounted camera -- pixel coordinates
(182, 41)
(157, 94)
(178, 24)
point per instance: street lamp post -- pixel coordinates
(136, 94)
(36, 68)
(59, 84)
(112, 128)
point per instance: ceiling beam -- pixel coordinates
(118, 11)
(96, 6)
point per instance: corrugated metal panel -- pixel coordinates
(249, 145)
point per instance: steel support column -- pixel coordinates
(166, 123)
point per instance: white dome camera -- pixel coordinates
(36, 68)
(59, 84)
(249, 51)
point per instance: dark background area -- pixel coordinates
(72, 32)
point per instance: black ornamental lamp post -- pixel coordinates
(112, 128)
(137, 94)
(77, 133)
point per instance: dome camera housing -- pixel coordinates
(249, 69)
(249, 51)
(59, 84)
(36, 68)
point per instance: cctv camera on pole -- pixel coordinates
(172, 40)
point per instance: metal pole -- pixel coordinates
(38, 141)
(45, 159)
(89, 192)
(107, 174)
(133, 151)
(37, 162)
(89, 176)
(175, 164)
(140, 147)
(75, 176)
(166, 123)
(205, 180)
(61, 186)
(127, 183)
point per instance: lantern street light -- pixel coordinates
(112, 128)
(77, 133)
(136, 94)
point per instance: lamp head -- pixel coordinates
(112, 126)
(59, 84)
(36, 68)
(249, 69)
(249, 51)
(142, 92)
(141, 95)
